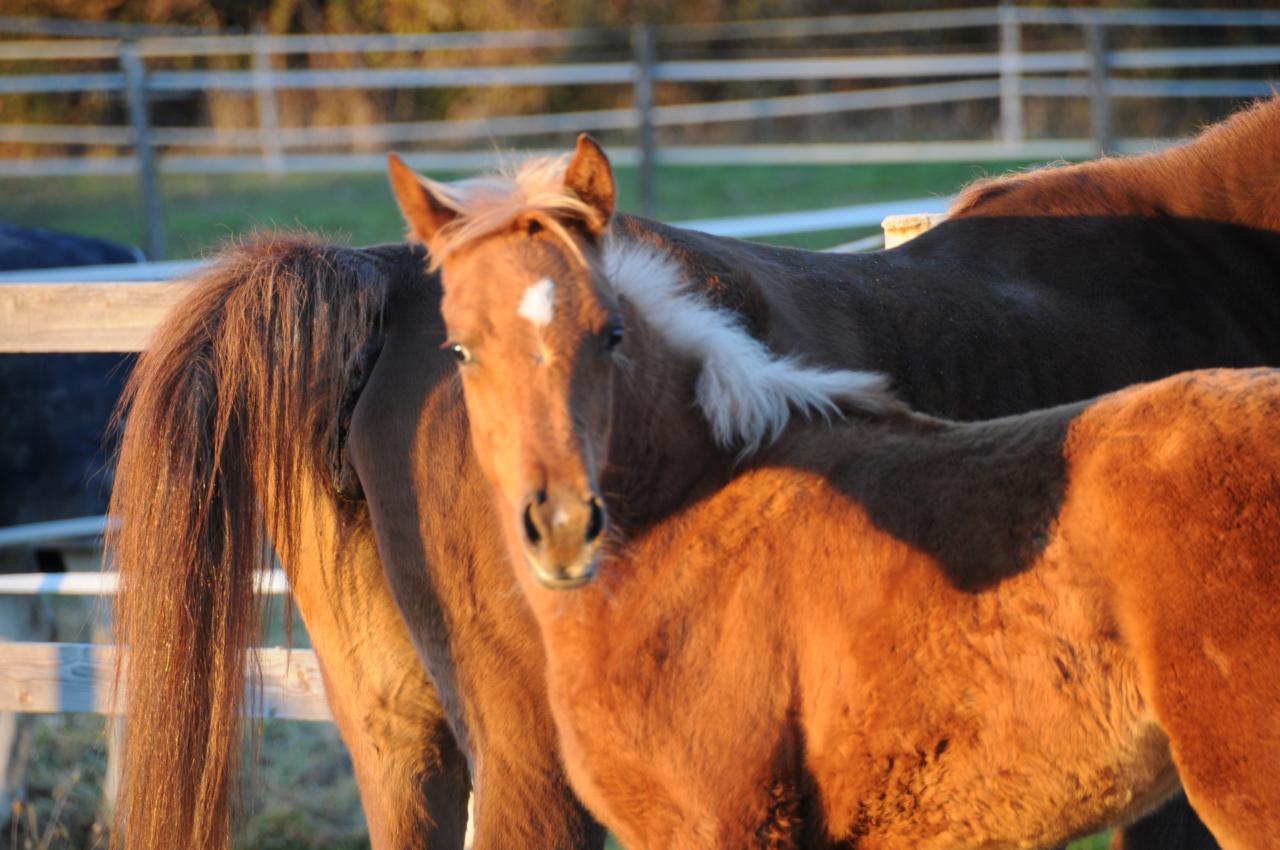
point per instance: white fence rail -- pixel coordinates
(38, 677)
(1008, 74)
(42, 678)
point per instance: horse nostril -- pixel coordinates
(595, 524)
(530, 529)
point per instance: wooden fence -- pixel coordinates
(1008, 74)
(55, 677)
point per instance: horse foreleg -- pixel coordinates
(478, 640)
(1228, 759)
(413, 780)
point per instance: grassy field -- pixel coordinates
(302, 792)
(201, 211)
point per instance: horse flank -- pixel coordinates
(1227, 174)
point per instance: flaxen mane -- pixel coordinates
(1228, 174)
(488, 203)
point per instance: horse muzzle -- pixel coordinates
(562, 536)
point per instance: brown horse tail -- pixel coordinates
(235, 401)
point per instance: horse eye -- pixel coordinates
(613, 336)
(534, 226)
(460, 353)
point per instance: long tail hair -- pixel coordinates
(236, 398)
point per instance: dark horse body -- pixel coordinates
(982, 316)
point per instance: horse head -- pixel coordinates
(537, 331)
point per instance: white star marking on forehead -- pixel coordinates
(538, 304)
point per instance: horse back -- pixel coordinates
(991, 316)
(1024, 313)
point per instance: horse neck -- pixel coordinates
(822, 306)
(661, 452)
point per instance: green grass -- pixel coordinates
(203, 211)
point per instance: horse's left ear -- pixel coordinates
(422, 210)
(590, 177)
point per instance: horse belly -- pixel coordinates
(1015, 784)
(1017, 722)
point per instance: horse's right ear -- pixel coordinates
(424, 212)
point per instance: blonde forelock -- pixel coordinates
(490, 203)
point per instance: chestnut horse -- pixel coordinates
(256, 376)
(897, 631)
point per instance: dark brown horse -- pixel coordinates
(983, 293)
(899, 632)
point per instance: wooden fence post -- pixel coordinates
(1012, 130)
(643, 51)
(135, 80)
(1099, 98)
(264, 93)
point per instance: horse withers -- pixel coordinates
(865, 632)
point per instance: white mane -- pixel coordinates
(746, 392)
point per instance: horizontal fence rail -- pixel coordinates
(624, 73)
(56, 531)
(116, 308)
(41, 678)
(107, 583)
(651, 58)
(59, 317)
(814, 221)
(80, 677)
